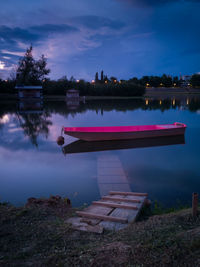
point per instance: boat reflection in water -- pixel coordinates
(87, 146)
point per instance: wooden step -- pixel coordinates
(114, 205)
(128, 193)
(121, 199)
(101, 217)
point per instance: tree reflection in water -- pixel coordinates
(38, 122)
(34, 125)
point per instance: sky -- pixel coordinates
(124, 38)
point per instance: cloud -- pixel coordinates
(14, 41)
(47, 29)
(59, 42)
(97, 22)
(152, 3)
(9, 34)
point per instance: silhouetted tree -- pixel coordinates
(31, 71)
(175, 80)
(96, 77)
(166, 80)
(134, 80)
(113, 79)
(195, 80)
(102, 76)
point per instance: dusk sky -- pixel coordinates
(125, 38)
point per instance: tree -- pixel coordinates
(96, 77)
(195, 80)
(113, 79)
(134, 80)
(175, 81)
(102, 76)
(31, 71)
(166, 80)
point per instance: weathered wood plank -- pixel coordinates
(117, 171)
(98, 209)
(77, 224)
(112, 179)
(90, 221)
(101, 217)
(104, 189)
(114, 205)
(127, 193)
(121, 199)
(108, 158)
(130, 215)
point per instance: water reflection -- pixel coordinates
(86, 146)
(35, 124)
(34, 118)
(163, 168)
(30, 106)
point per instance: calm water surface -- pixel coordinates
(33, 165)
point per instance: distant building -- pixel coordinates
(185, 80)
(27, 92)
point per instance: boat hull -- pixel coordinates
(125, 132)
(80, 146)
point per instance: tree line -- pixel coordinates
(34, 72)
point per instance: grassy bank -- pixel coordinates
(38, 235)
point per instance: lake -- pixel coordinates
(33, 165)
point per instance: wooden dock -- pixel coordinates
(111, 175)
(113, 212)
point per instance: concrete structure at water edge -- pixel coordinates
(29, 92)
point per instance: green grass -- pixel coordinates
(40, 236)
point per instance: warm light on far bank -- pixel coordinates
(160, 102)
(77, 81)
(92, 81)
(106, 81)
(146, 102)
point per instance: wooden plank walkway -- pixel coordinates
(111, 175)
(113, 212)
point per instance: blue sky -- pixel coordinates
(125, 38)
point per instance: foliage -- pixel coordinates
(85, 88)
(195, 80)
(7, 86)
(31, 71)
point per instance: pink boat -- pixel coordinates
(125, 132)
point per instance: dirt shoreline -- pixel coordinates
(38, 235)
